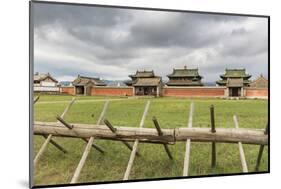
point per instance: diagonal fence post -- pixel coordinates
(71, 127)
(49, 138)
(261, 151)
(160, 133)
(114, 130)
(88, 148)
(56, 144)
(188, 142)
(135, 146)
(82, 161)
(99, 122)
(41, 151)
(241, 150)
(36, 99)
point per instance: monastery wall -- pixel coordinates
(194, 91)
(111, 91)
(67, 90)
(251, 92)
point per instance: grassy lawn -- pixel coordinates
(55, 167)
(50, 98)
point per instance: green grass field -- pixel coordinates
(57, 168)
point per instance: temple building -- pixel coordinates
(260, 82)
(235, 80)
(45, 83)
(145, 83)
(184, 77)
(82, 85)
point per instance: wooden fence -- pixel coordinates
(104, 129)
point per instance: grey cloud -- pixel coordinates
(242, 42)
(238, 31)
(75, 16)
(127, 40)
(180, 29)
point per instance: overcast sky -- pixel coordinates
(112, 43)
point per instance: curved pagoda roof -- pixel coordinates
(155, 81)
(143, 74)
(184, 73)
(83, 80)
(235, 73)
(42, 77)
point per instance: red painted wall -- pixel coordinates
(112, 91)
(256, 92)
(194, 91)
(170, 91)
(67, 90)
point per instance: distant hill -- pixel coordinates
(115, 83)
(209, 83)
(65, 83)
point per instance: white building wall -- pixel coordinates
(46, 89)
(48, 84)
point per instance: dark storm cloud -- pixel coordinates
(179, 29)
(75, 16)
(113, 43)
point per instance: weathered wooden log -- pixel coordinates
(68, 107)
(49, 137)
(36, 99)
(56, 144)
(113, 130)
(261, 151)
(135, 146)
(241, 150)
(82, 161)
(259, 158)
(90, 143)
(150, 135)
(212, 114)
(70, 127)
(110, 126)
(64, 122)
(98, 148)
(225, 135)
(213, 130)
(41, 151)
(100, 120)
(160, 133)
(188, 142)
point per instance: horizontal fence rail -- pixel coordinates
(150, 135)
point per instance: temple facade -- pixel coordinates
(260, 82)
(184, 77)
(145, 83)
(235, 80)
(82, 84)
